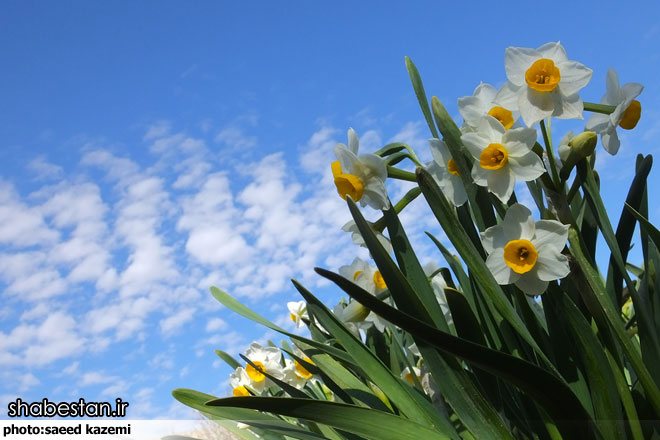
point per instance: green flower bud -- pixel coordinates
(578, 148)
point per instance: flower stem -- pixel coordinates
(599, 108)
(547, 139)
(396, 173)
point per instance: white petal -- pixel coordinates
(501, 272)
(535, 106)
(475, 142)
(574, 76)
(471, 108)
(610, 140)
(507, 96)
(551, 265)
(518, 223)
(346, 158)
(598, 122)
(516, 62)
(527, 167)
(375, 196)
(568, 107)
(612, 83)
(485, 93)
(353, 143)
(554, 51)
(501, 182)
(632, 90)
(531, 285)
(440, 151)
(519, 141)
(493, 238)
(492, 129)
(455, 189)
(550, 234)
(480, 175)
(376, 165)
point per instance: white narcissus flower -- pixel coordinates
(267, 359)
(357, 238)
(501, 156)
(363, 177)
(239, 380)
(543, 82)
(625, 115)
(524, 252)
(482, 103)
(298, 311)
(445, 171)
(370, 279)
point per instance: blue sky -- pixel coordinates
(149, 150)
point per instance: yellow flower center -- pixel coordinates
(347, 184)
(543, 75)
(356, 275)
(293, 317)
(453, 168)
(255, 374)
(493, 157)
(379, 281)
(302, 371)
(409, 378)
(503, 115)
(240, 391)
(520, 255)
(631, 115)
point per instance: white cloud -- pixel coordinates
(234, 138)
(44, 170)
(174, 322)
(215, 324)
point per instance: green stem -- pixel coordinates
(551, 155)
(599, 108)
(396, 173)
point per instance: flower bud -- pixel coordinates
(354, 312)
(577, 148)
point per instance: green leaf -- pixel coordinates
(450, 224)
(421, 94)
(368, 423)
(547, 389)
(612, 315)
(413, 293)
(257, 419)
(233, 363)
(244, 311)
(409, 401)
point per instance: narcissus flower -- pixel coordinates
(482, 103)
(370, 279)
(524, 252)
(543, 82)
(268, 359)
(407, 375)
(626, 115)
(240, 381)
(363, 177)
(445, 171)
(501, 156)
(298, 311)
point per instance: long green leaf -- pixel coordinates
(409, 402)
(612, 315)
(552, 393)
(254, 418)
(421, 94)
(231, 303)
(412, 292)
(371, 424)
(444, 213)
